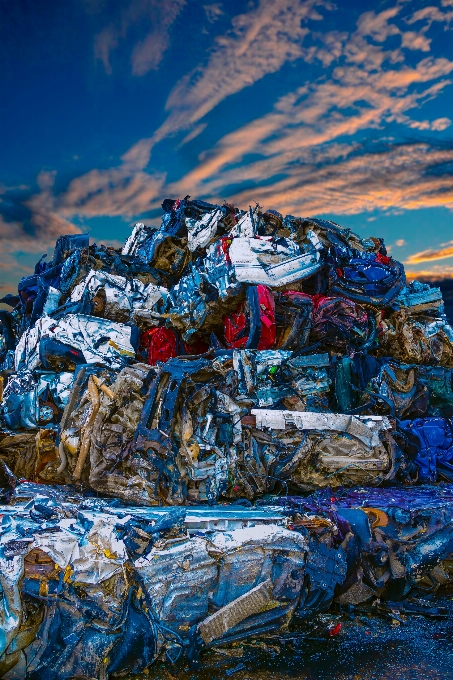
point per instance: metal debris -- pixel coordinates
(216, 432)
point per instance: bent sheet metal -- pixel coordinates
(217, 431)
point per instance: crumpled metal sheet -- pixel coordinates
(84, 573)
(259, 261)
(100, 341)
(419, 297)
(201, 232)
(208, 447)
(31, 400)
(298, 359)
(417, 339)
(364, 428)
(118, 298)
(304, 381)
(74, 561)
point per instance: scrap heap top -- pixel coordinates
(226, 354)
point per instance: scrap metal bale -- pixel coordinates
(419, 338)
(225, 356)
(330, 449)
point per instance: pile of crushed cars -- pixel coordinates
(235, 422)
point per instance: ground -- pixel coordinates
(367, 648)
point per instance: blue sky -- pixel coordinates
(313, 108)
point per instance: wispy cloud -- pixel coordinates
(157, 16)
(10, 270)
(304, 156)
(353, 179)
(430, 14)
(431, 274)
(123, 190)
(259, 42)
(213, 12)
(369, 87)
(341, 178)
(30, 220)
(9, 263)
(104, 43)
(430, 255)
(315, 114)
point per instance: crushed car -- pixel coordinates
(231, 424)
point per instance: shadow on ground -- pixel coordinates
(367, 648)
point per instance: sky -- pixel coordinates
(341, 110)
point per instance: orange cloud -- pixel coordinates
(259, 42)
(296, 142)
(263, 39)
(430, 274)
(377, 26)
(340, 178)
(431, 14)
(148, 53)
(39, 231)
(123, 190)
(316, 114)
(429, 255)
